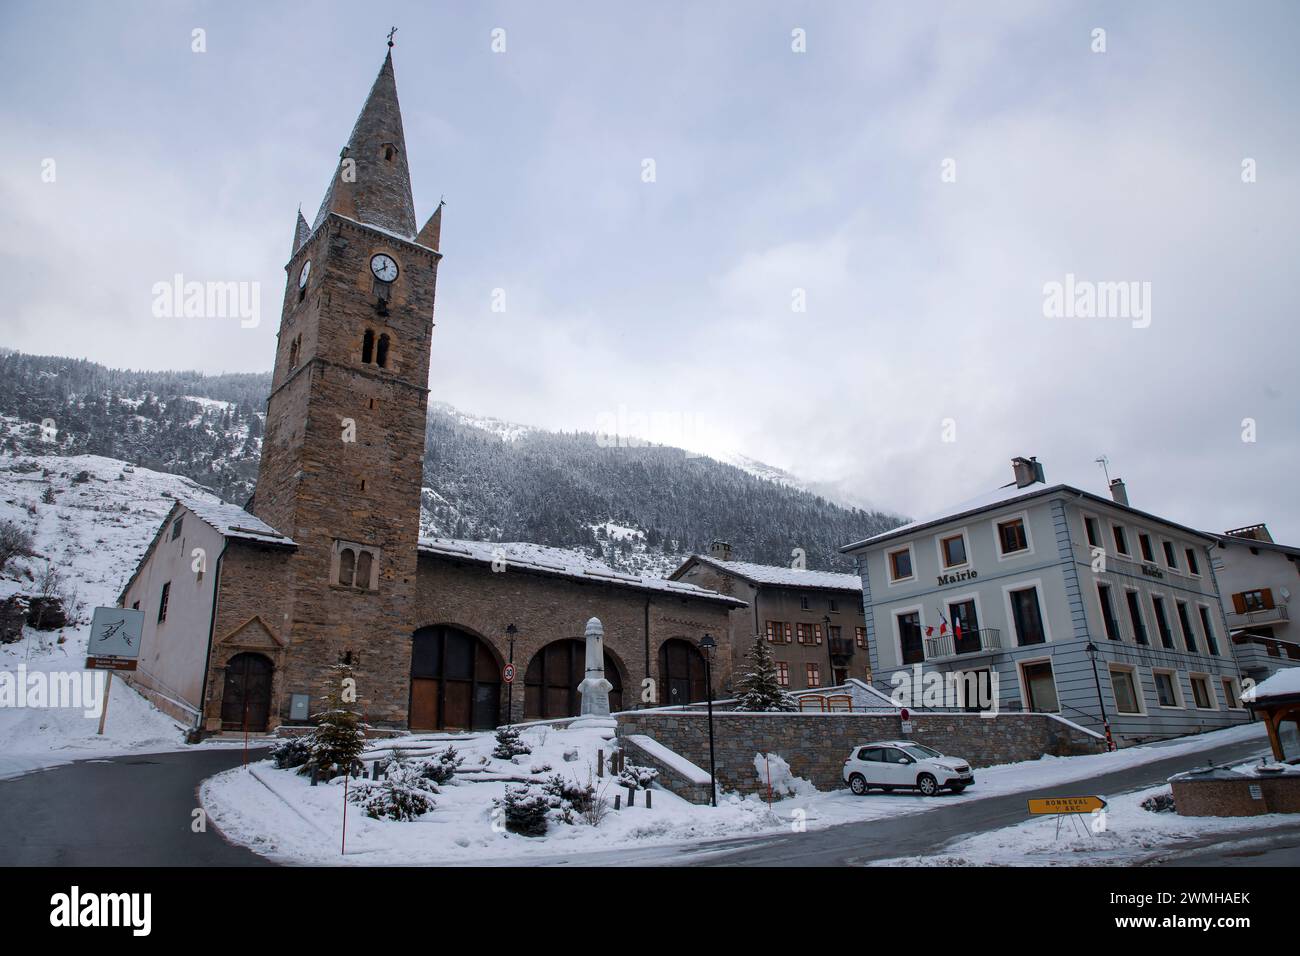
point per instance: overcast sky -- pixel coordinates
(675, 301)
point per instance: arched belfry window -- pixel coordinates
(381, 355)
(347, 567)
(368, 347)
(293, 354)
(354, 565)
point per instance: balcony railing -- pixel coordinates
(1264, 615)
(841, 647)
(983, 641)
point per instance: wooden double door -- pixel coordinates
(246, 697)
(455, 681)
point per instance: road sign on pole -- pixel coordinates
(508, 674)
(114, 645)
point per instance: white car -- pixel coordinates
(905, 765)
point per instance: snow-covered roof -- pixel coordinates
(782, 576)
(562, 562)
(1006, 495)
(233, 521)
(1284, 683)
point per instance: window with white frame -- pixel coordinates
(1202, 693)
(1230, 693)
(1126, 690)
(1013, 538)
(900, 564)
(1121, 538)
(1167, 688)
(1144, 546)
(1171, 556)
(1092, 528)
(1193, 566)
(952, 550)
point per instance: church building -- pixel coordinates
(247, 610)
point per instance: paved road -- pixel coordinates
(137, 810)
(132, 810)
(854, 844)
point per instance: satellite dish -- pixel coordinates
(1286, 594)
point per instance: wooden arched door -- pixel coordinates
(455, 681)
(554, 673)
(246, 698)
(681, 673)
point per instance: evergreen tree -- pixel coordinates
(759, 688)
(509, 744)
(339, 737)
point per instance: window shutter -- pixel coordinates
(1268, 597)
(1239, 603)
(787, 633)
(817, 633)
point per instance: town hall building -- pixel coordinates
(248, 610)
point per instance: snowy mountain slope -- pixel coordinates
(103, 516)
(485, 478)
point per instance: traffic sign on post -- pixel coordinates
(508, 675)
(113, 645)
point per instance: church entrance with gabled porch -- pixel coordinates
(246, 697)
(455, 681)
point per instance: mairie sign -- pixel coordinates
(1066, 805)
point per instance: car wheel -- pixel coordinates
(927, 785)
(858, 784)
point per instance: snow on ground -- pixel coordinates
(94, 533)
(280, 815)
(1123, 834)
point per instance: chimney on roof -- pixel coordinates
(1027, 471)
(720, 551)
(1118, 491)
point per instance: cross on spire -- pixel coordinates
(390, 37)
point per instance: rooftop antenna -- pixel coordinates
(1105, 467)
(390, 37)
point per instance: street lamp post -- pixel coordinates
(1101, 701)
(707, 644)
(511, 631)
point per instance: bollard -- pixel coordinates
(618, 800)
(375, 775)
(631, 797)
(314, 772)
(600, 763)
(647, 799)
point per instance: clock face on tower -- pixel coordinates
(302, 276)
(384, 268)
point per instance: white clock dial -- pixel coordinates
(384, 268)
(302, 276)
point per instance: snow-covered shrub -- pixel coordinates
(539, 768)
(440, 768)
(15, 542)
(509, 744)
(1159, 802)
(637, 777)
(569, 799)
(293, 752)
(526, 809)
(403, 794)
(784, 783)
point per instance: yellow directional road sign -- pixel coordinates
(1066, 805)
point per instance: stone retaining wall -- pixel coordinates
(815, 745)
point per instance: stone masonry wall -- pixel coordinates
(815, 745)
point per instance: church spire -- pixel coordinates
(301, 232)
(372, 183)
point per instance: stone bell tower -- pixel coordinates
(343, 451)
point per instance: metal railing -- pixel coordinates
(841, 647)
(983, 641)
(1264, 615)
